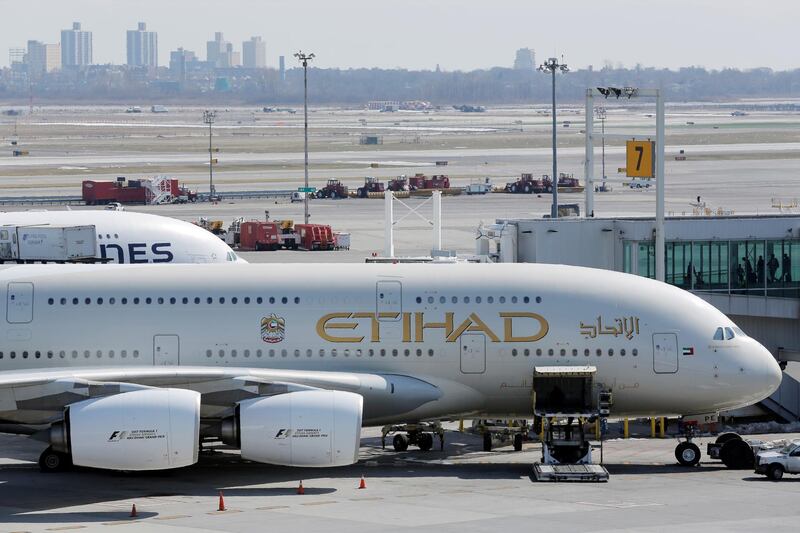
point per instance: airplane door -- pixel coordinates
(166, 350)
(473, 353)
(389, 300)
(665, 353)
(19, 304)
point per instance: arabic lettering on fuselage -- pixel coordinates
(414, 326)
(627, 326)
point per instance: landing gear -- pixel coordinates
(734, 452)
(400, 443)
(687, 453)
(420, 435)
(518, 442)
(53, 461)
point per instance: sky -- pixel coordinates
(419, 34)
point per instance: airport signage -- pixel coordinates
(639, 158)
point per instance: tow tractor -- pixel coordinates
(333, 189)
(419, 434)
(371, 185)
(564, 397)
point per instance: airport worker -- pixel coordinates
(786, 273)
(760, 269)
(772, 266)
(748, 270)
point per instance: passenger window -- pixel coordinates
(728, 334)
(718, 335)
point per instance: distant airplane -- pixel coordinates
(129, 237)
(129, 367)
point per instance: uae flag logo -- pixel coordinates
(688, 350)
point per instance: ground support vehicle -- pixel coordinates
(153, 191)
(371, 185)
(776, 462)
(568, 183)
(421, 181)
(398, 184)
(315, 236)
(341, 240)
(735, 452)
(47, 243)
(501, 432)
(419, 434)
(564, 397)
(333, 189)
(528, 185)
(256, 235)
(479, 188)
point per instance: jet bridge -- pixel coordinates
(564, 397)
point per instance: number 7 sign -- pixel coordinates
(639, 160)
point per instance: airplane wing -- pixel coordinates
(32, 399)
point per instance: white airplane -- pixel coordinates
(129, 237)
(129, 367)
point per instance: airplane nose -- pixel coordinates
(771, 373)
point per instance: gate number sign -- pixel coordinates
(639, 159)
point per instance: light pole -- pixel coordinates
(304, 59)
(208, 118)
(552, 65)
(601, 114)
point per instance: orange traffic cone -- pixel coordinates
(300, 489)
(363, 484)
(133, 511)
(221, 502)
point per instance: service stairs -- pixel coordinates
(785, 402)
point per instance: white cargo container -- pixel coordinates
(47, 243)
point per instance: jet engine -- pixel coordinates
(315, 428)
(150, 429)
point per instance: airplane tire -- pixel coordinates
(687, 454)
(53, 461)
(736, 454)
(487, 442)
(725, 437)
(425, 441)
(775, 472)
(400, 442)
(518, 442)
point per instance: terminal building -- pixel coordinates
(746, 266)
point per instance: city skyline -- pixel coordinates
(456, 35)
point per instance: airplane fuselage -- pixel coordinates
(474, 331)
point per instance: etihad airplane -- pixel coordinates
(129, 237)
(130, 367)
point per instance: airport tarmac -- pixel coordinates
(460, 489)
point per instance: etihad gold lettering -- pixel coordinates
(421, 326)
(508, 327)
(324, 324)
(518, 326)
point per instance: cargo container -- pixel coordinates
(256, 235)
(48, 243)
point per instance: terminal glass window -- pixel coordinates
(627, 267)
(647, 260)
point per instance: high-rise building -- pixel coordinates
(180, 61)
(42, 58)
(219, 52)
(254, 53)
(76, 46)
(142, 47)
(525, 60)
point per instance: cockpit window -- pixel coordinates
(231, 256)
(729, 334)
(719, 335)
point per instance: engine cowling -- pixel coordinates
(152, 429)
(317, 428)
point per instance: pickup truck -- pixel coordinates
(775, 462)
